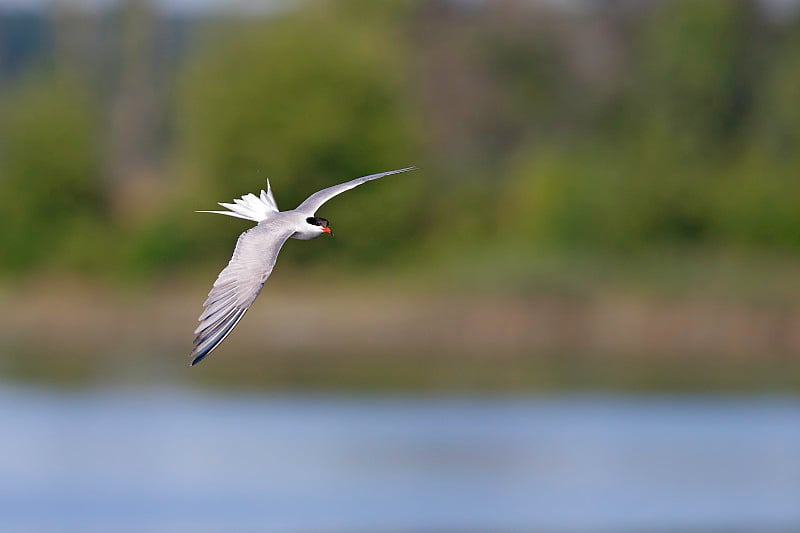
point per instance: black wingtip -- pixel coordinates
(399, 170)
(213, 336)
(199, 356)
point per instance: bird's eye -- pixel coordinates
(317, 221)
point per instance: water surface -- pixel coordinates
(176, 460)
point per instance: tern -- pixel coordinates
(256, 251)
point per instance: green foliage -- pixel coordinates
(309, 99)
(759, 204)
(49, 170)
(706, 155)
(697, 144)
(577, 198)
(695, 73)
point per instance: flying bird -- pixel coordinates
(254, 257)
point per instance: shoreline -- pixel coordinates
(344, 335)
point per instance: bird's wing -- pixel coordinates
(237, 286)
(315, 201)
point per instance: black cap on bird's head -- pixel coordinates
(321, 222)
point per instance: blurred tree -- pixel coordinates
(694, 101)
(697, 71)
(488, 78)
(776, 129)
(654, 180)
(134, 106)
(695, 142)
(49, 169)
(759, 205)
(309, 98)
(578, 196)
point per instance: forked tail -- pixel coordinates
(250, 206)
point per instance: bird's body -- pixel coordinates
(256, 252)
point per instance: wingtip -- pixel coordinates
(399, 170)
(198, 355)
(196, 358)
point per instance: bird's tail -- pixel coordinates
(250, 206)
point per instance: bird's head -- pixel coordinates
(320, 224)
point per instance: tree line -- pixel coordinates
(614, 130)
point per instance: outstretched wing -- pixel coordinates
(316, 200)
(237, 286)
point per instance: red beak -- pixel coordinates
(327, 230)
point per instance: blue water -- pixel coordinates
(176, 460)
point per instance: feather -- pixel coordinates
(250, 206)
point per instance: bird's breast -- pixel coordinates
(306, 235)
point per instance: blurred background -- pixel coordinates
(581, 314)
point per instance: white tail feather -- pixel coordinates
(250, 206)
